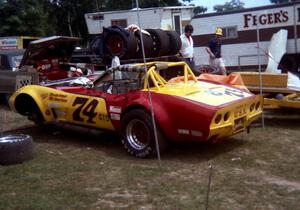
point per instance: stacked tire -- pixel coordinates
(116, 41)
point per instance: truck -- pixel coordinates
(44, 59)
(15, 42)
(247, 34)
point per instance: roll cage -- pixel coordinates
(129, 77)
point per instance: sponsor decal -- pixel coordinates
(53, 105)
(196, 133)
(115, 109)
(60, 112)
(114, 116)
(183, 131)
(58, 97)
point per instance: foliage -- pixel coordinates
(62, 17)
(23, 17)
(230, 5)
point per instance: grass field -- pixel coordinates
(85, 169)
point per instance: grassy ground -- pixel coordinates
(84, 169)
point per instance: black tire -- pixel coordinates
(208, 69)
(36, 116)
(15, 149)
(25, 105)
(97, 46)
(137, 134)
(175, 42)
(120, 43)
(148, 46)
(161, 42)
(288, 63)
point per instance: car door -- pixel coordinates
(90, 111)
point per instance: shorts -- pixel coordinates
(216, 62)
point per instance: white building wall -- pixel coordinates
(231, 52)
(207, 25)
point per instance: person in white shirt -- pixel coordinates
(187, 46)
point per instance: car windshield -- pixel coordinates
(15, 60)
(119, 81)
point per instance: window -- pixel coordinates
(96, 17)
(176, 19)
(230, 32)
(119, 22)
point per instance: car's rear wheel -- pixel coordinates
(138, 136)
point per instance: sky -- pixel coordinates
(210, 3)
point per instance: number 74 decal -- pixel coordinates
(87, 109)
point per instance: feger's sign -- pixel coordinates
(269, 18)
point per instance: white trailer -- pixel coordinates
(168, 18)
(244, 30)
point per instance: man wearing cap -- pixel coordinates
(187, 46)
(214, 51)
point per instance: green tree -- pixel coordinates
(22, 17)
(230, 5)
(200, 10)
(62, 17)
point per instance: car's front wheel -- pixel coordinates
(138, 136)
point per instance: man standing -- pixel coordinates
(214, 50)
(187, 46)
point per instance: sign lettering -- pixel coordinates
(264, 19)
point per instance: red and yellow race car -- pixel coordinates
(123, 98)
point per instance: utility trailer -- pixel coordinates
(274, 87)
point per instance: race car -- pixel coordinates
(124, 99)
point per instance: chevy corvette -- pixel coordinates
(124, 98)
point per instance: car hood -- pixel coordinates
(54, 46)
(205, 92)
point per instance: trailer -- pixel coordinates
(167, 18)
(246, 35)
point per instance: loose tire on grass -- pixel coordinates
(175, 42)
(137, 134)
(15, 149)
(161, 42)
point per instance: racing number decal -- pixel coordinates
(88, 111)
(229, 92)
(234, 92)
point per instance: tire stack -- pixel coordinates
(116, 41)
